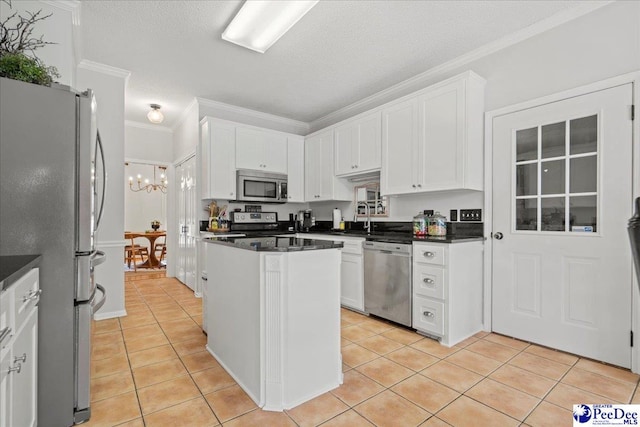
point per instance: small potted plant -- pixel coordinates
(155, 224)
(18, 60)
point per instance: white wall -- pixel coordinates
(142, 207)
(148, 143)
(186, 134)
(109, 86)
(58, 29)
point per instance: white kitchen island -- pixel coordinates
(273, 319)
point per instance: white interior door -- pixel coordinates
(562, 272)
(187, 222)
(181, 272)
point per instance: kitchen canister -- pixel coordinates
(337, 216)
(437, 225)
(420, 225)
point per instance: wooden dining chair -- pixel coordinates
(161, 247)
(132, 251)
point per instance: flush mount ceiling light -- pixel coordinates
(260, 23)
(155, 115)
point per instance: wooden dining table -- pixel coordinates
(152, 236)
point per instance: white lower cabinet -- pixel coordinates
(448, 289)
(19, 352)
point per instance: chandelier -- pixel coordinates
(146, 185)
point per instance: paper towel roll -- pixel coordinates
(337, 216)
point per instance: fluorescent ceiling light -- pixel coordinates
(260, 23)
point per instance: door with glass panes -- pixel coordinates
(562, 272)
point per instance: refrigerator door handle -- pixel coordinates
(98, 258)
(104, 178)
(99, 304)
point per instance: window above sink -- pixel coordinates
(369, 193)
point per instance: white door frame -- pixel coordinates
(172, 214)
(634, 78)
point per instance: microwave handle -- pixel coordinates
(282, 195)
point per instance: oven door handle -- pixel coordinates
(100, 303)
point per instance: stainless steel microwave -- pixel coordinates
(256, 186)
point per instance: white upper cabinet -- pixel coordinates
(261, 150)
(358, 145)
(320, 182)
(433, 141)
(218, 159)
(295, 167)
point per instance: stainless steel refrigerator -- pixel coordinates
(52, 186)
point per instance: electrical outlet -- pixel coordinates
(471, 215)
(453, 215)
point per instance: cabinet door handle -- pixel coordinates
(22, 358)
(429, 254)
(420, 185)
(6, 332)
(15, 369)
(231, 194)
(428, 314)
(414, 186)
(428, 280)
(32, 295)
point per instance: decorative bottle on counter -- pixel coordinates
(342, 223)
(420, 225)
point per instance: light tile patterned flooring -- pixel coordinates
(150, 368)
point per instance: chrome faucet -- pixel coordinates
(367, 224)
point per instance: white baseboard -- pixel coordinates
(109, 315)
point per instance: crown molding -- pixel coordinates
(412, 83)
(148, 126)
(185, 113)
(105, 69)
(72, 6)
(296, 124)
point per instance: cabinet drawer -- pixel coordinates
(429, 281)
(429, 254)
(25, 295)
(428, 315)
(352, 247)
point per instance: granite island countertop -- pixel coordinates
(274, 243)
(399, 237)
(13, 267)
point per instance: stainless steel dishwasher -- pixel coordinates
(387, 281)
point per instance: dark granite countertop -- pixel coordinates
(399, 237)
(13, 267)
(275, 243)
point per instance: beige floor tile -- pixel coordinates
(380, 344)
(434, 422)
(229, 403)
(385, 371)
(138, 422)
(106, 351)
(465, 412)
(169, 393)
(112, 385)
(412, 358)
(452, 376)
(344, 323)
(185, 334)
(474, 362)
(317, 410)
(507, 341)
(191, 346)
(199, 361)
(492, 350)
(111, 365)
(141, 332)
(566, 396)
(356, 388)
(636, 396)
(467, 342)
(168, 315)
(134, 320)
(154, 300)
(551, 354)
(352, 317)
(260, 418)
(344, 342)
(549, 415)
(144, 343)
(354, 355)
(377, 326)
(403, 336)
(176, 324)
(425, 393)
(348, 419)
(595, 383)
(434, 348)
(192, 413)
(104, 415)
(107, 325)
(481, 334)
(193, 311)
(540, 365)
(210, 380)
(107, 338)
(616, 373)
(523, 380)
(158, 372)
(356, 333)
(389, 409)
(152, 355)
(346, 367)
(503, 398)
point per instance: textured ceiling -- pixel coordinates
(339, 53)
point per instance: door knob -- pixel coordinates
(498, 236)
